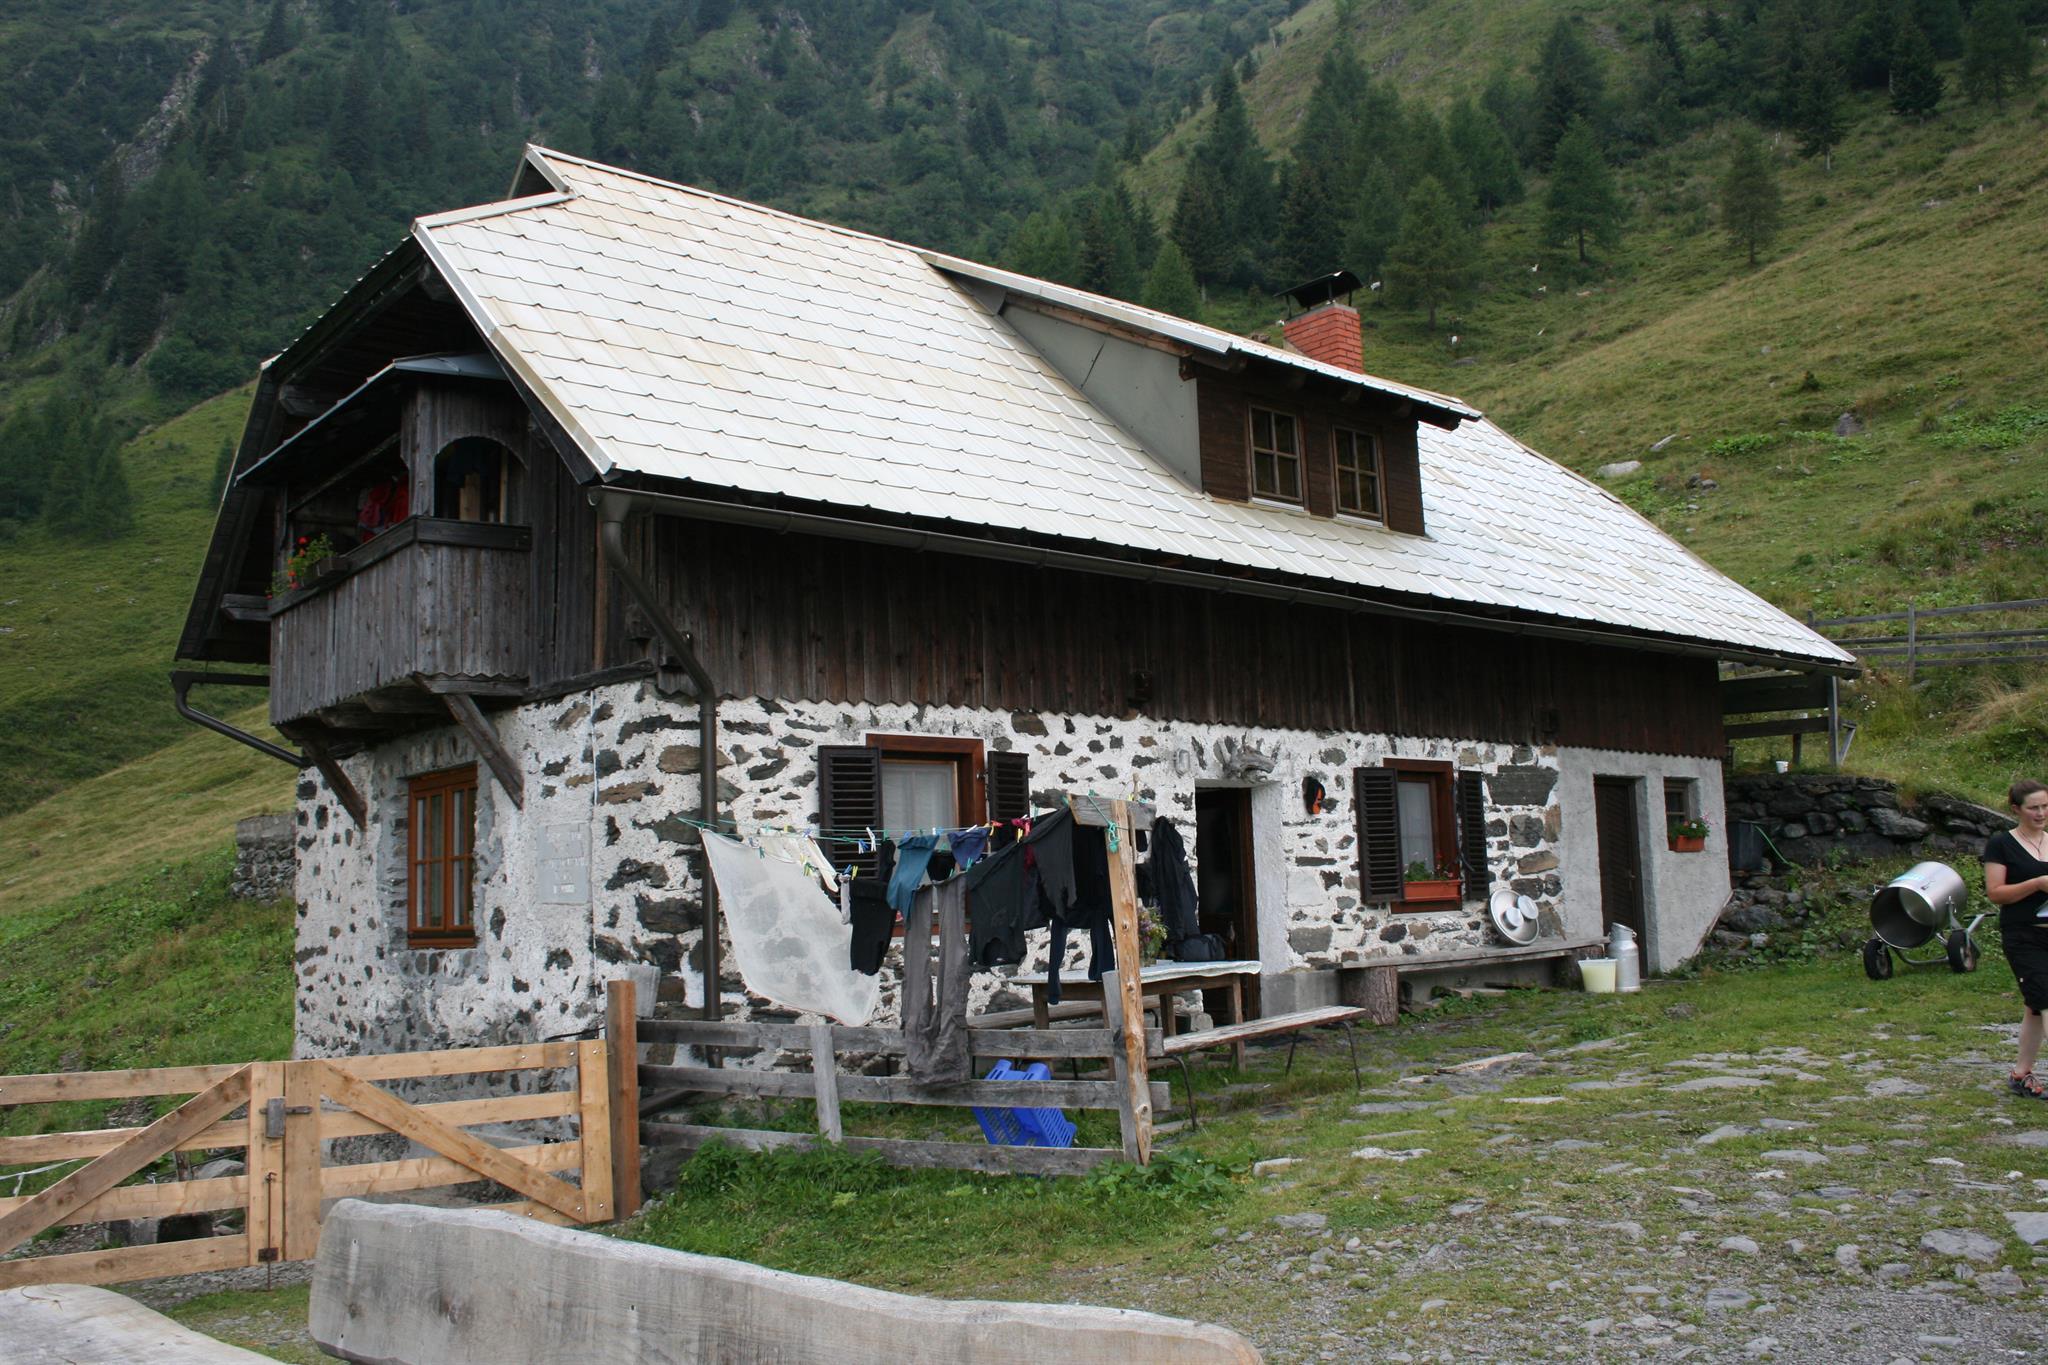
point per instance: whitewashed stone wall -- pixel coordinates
(618, 765)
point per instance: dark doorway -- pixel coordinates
(1621, 858)
(1228, 905)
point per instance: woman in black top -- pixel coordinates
(2016, 880)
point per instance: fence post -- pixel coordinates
(1912, 639)
(301, 1160)
(622, 1034)
(1128, 988)
(825, 1083)
(264, 1164)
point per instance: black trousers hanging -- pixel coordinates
(935, 1035)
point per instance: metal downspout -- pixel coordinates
(182, 682)
(612, 508)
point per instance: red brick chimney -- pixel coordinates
(1328, 333)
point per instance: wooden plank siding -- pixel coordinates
(890, 625)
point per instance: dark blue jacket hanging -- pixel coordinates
(1173, 885)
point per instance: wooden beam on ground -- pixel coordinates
(91, 1181)
(911, 1154)
(464, 709)
(389, 1275)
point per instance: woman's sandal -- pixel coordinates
(2027, 1087)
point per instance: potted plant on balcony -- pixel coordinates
(1426, 883)
(310, 556)
(1688, 835)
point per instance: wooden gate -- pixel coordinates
(282, 1116)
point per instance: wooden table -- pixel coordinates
(1156, 982)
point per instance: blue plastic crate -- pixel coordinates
(1024, 1127)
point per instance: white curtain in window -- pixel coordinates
(786, 935)
(1418, 824)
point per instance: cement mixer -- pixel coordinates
(1922, 906)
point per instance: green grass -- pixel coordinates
(87, 628)
(161, 969)
(168, 806)
(1159, 1248)
(269, 1322)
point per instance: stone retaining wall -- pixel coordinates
(265, 867)
(1811, 817)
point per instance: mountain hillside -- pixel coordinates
(186, 187)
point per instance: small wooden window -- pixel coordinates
(1276, 456)
(1358, 474)
(1681, 799)
(1419, 811)
(440, 837)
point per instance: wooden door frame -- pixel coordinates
(1247, 886)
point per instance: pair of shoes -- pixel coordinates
(2027, 1087)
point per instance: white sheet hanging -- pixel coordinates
(786, 936)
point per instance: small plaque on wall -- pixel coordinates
(563, 857)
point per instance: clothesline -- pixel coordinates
(864, 840)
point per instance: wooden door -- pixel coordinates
(1621, 859)
(1228, 905)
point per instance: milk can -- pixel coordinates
(1628, 963)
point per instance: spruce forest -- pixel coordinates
(1730, 224)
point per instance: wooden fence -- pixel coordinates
(1920, 648)
(281, 1116)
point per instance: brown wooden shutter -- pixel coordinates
(1009, 786)
(850, 801)
(1401, 478)
(1377, 794)
(1471, 794)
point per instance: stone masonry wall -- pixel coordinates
(1813, 816)
(615, 771)
(264, 866)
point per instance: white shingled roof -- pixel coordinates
(678, 334)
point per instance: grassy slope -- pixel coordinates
(87, 628)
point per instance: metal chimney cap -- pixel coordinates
(1322, 289)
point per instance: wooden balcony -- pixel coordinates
(434, 603)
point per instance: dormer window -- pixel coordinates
(1276, 456)
(1358, 474)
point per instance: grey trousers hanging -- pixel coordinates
(935, 1035)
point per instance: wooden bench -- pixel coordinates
(1235, 1036)
(1373, 983)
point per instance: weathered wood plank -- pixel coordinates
(896, 1089)
(429, 1172)
(429, 1132)
(594, 1130)
(304, 1127)
(824, 1082)
(915, 1154)
(74, 1322)
(456, 1061)
(622, 1060)
(127, 1263)
(381, 1290)
(58, 1086)
(162, 1200)
(982, 1042)
(1271, 1026)
(87, 1183)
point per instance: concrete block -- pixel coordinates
(61, 1324)
(401, 1284)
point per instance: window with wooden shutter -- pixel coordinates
(1471, 797)
(1375, 790)
(1009, 789)
(850, 801)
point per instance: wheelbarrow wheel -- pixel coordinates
(1877, 960)
(1962, 951)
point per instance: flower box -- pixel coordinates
(1688, 843)
(1433, 889)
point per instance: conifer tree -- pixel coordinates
(277, 34)
(1311, 226)
(1815, 103)
(1916, 85)
(1998, 57)
(1223, 215)
(1375, 222)
(1569, 87)
(1942, 22)
(1751, 205)
(1485, 156)
(1433, 259)
(1044, 247)
(1581, 205)
(1170, 287)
